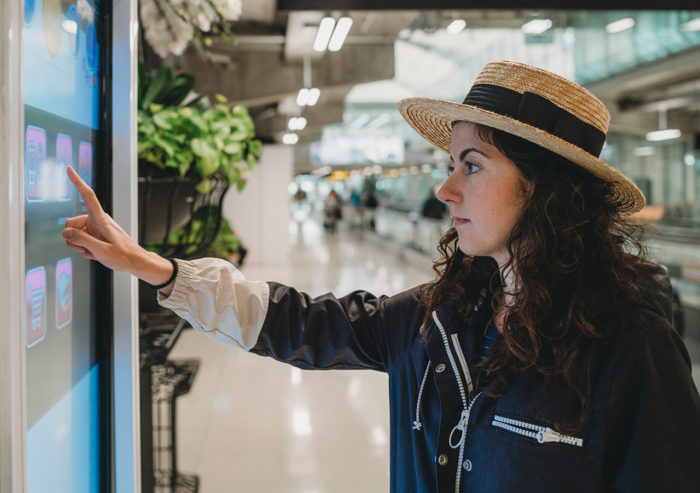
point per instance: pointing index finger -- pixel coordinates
(88, 195)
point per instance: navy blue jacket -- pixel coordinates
(643, 434)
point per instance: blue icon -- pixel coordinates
(29, 11)
(91, 46)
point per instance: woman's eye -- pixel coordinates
(471, 168)
(450, 169)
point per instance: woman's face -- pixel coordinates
(484, 193)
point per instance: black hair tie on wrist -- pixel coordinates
(172, 277)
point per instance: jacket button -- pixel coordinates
(442, 460)
(467, 465)
(440, 368)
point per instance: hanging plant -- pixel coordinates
(170, 25)
(198, 135)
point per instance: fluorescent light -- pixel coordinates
(341, 31)
(308, 97)
(689, 159)
(620, 25)
(536, 26)
(297, 123)
(325, 29)
(692, 25)
(302, 97)
(456, 26)
(643, 151)
(314, 94)
(668, 134)
(290, 139)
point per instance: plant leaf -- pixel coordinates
(203, 186)
(160, 82)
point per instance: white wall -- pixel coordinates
(260, 213)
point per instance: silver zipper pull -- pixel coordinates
(549, 435)
(460, 426)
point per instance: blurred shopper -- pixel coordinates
(540, 359)
(370, 204)
(433, 207)
(300, 195)
(332, 212)
(300, 206)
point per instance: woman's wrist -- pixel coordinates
(153, 269)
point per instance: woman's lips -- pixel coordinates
(459, 220)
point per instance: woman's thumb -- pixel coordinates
(82, 239)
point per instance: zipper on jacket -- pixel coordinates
(463, 362)
(464, 418)
(450, 357)
(542, 434)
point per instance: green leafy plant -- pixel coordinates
(197, 135)
(225, 244)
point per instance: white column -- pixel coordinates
(260, 213)
(125, 366)
(12, 349)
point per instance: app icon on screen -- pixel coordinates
(64, 158)
(34, 163)
(85, 163)
(91, 46)
(29, 11)
(35, 291)
(64, 292)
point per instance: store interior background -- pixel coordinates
(249, 424)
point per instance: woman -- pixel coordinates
(540, 359)
(332, 212)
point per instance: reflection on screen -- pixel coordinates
(62, 114)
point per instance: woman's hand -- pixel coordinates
(98, 237)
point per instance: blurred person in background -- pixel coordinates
(433, 207)
(332, 212)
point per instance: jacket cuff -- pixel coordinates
(217, 300)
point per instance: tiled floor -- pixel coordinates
(250, 424)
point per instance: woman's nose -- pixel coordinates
(448, 192)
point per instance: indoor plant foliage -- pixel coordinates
(206, 137)
(170, 25)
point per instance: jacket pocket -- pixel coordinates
(541, 434)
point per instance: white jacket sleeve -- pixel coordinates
(217, 300)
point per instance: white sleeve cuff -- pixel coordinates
(217, 300)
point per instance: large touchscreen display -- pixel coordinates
(62, 97)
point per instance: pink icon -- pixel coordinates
(64, 292)
(35, 157)
(35, 290)
(85, 163)
(64, 158)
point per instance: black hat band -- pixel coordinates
(539, 112)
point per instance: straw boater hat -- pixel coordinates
(534, 104)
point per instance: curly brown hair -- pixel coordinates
(576, 260)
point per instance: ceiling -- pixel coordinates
(264, 67)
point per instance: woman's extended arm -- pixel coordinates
(98, 237)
